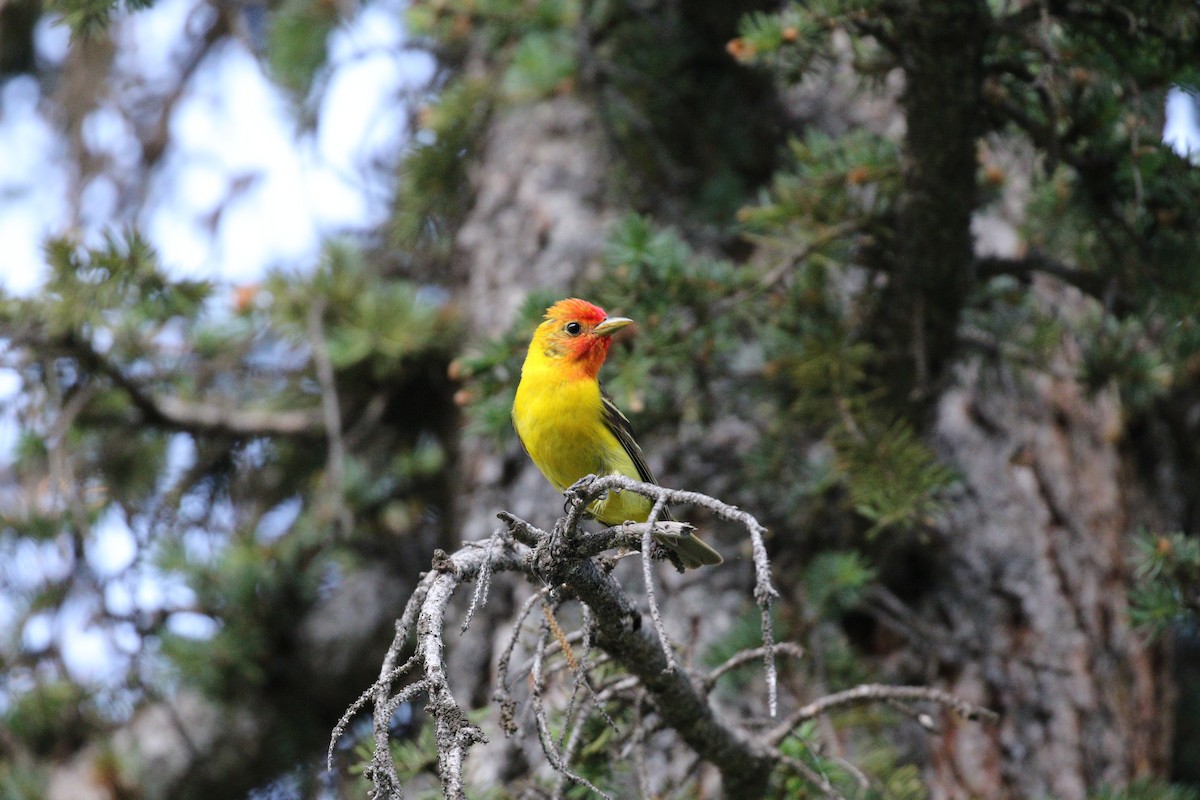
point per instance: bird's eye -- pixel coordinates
(574, 328)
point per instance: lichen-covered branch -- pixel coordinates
(561, 563)
(591, 487)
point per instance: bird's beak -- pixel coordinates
(611, 325)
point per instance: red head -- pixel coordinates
(577, 335)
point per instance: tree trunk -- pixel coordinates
(1032, 590)
(538, 220)
(942, 44)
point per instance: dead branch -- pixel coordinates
(874, 692)
(561, 562)
(592, 487)
(648, 583)
(744, 657)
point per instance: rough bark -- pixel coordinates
(1033, 590)
(539, 219)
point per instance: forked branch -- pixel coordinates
(654, 690)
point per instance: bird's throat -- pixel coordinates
(579, 359)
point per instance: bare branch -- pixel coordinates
(571, 747)
(874, 692)
(584, 491)
(483, 582)
(248, 422)
(521, 530)
(562, 562)
(648, 581)
(863, 782)
(455, 733)
(617, 687)
(744, 762)
(502, 695)
(339, 730)
(1090, 283)
(425, 614)
(639, 750)
(744, 657)
(628, 536)
(543, 727)
(582, 675)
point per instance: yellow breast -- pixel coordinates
(561, 423)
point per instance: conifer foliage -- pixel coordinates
(793, 200)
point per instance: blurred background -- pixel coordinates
(916, 285)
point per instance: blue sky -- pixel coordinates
(232, 128)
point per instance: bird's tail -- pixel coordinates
(692, 551)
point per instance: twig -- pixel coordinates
(483, 582)
(63, 474)
(628, 536)
(502, 695)
(793, 260)
(743, 657)
(568, 525)
(864, 782)
(873, 692)
(639, 750)
(617, 686)
(425, 614)
(543, 727)
(589, 488)
(571, 747)
(582, 676)
(382, 682)
(579, 678)
(521, 530)
(173, 413)
(382, 770)
(921, 718)
(768, 649)
(648, 581)
(1089, 282)
(455, 733)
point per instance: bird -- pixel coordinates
(570, 427)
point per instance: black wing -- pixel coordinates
(621, 428)
(690, 551)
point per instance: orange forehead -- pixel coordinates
(575, 309)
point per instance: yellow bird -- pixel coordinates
(570, 427)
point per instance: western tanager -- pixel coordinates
(570, 426)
